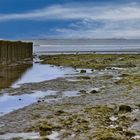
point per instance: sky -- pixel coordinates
(42, 19)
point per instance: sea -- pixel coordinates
(72, 46)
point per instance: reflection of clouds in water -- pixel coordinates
(4, 98)
(39, 73)
(9, 103)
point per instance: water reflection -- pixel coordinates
(9, 103)
(42, 72)
(10, 74)
(15, 76)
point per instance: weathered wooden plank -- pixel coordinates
(12, 51)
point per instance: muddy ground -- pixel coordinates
(103, 104)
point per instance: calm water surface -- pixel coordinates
(41, 72)
(10, 103)
(86, 46)
(18, 75)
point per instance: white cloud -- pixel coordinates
(113, 13)
(69, 33)
(115, 20)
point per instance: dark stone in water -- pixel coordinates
(39, 101)
(83, 71)
(94, 91)
(82, 91)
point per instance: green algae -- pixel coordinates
(130, 80)
(91, 121)
(93, 61)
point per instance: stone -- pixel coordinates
(95, 90)
(125, 108)
(83, 71)
(130, 134)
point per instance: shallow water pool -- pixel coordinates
(10, 103)
(42, 72)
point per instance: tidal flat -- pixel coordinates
(99, 101)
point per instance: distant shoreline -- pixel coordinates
(87, 52)
(86, 42)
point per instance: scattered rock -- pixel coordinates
(83, 71)
(130, 134)
(59, 112)
(119, 128)
(136, 137)
(125, 108)
(45, 129)
(39, 101)
(84, 77)
(125, 75)
(113, 118)
(82, 91)
(94, 90)
(53, 136)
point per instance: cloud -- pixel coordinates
(75, 11)
(93, 21)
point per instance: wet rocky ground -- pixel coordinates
(99, 102)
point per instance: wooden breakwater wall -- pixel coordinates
(13, 51)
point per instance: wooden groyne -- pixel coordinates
(13, 51)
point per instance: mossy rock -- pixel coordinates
(130, 134)
(125, 108)
(59, 112)
(45, 129)
(107, 134)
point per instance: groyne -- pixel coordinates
(13, 51)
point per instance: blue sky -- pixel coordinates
(28, 19)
